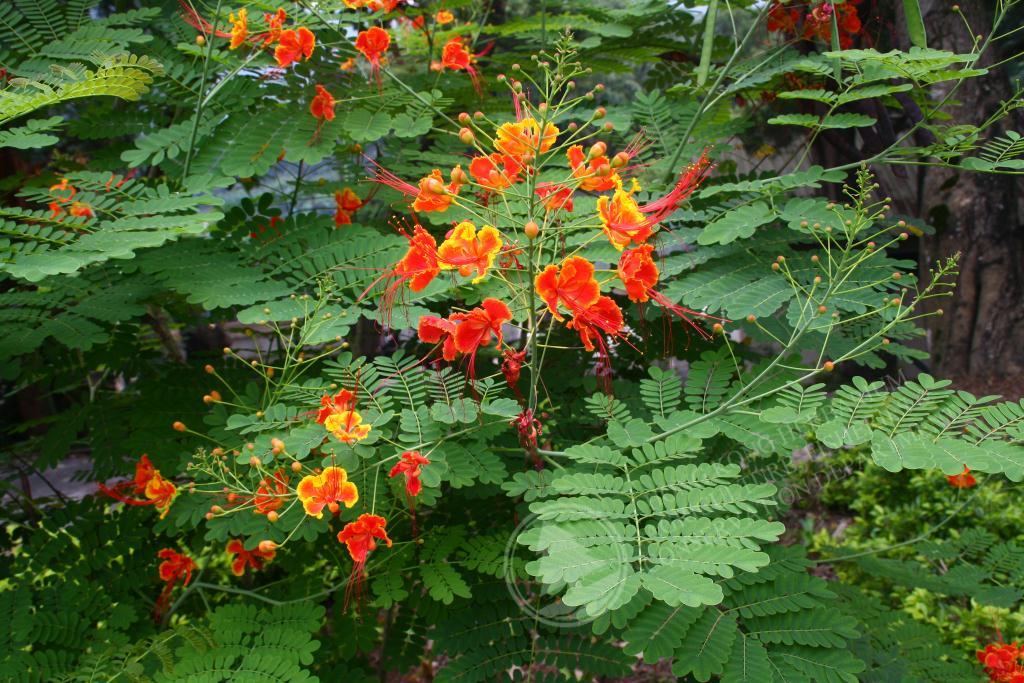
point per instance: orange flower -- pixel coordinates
(161, 492)
(349, 64)
(455, 55)
(638, 272)
(62, 187)
(81, 210)
(338, 416)
(175, 566)
(964, 480)
(434, 330)
(595, 174)
(444, 17)
(495, 171)
(294, 46)
(554, 196)
(433, 195)
(317, 491)
(572, 284)
(373, 43)
(603, 315)
(621, 218)
(239, 28)
(275, 22)
(361, 536)
(271, 493)
(624, 221)
(322, 106)
(409, 465)
(524, 137)
(254, 558)
(474, 329)
(346, 203)
(419, 266)
(469, 251)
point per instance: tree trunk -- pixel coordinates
(980, 338)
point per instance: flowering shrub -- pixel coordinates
(432, 351)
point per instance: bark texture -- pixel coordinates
(980, 338)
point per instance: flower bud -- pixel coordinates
(598, 149)
(178, 426)
(208, 369)
(267, 546)
(464, 117)
(276, 446)
(600, 112)
(200, 40)
(296, 466)
(604, 170)
(435, 186)
(608, 127)
(717, 328)
(272, 516)
(531, 230)
(620, 160)
(333, 507)
(255, 461)
(466, 136)
(828, 366)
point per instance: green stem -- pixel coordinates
(200, 102)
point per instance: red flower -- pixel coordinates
(317, 491)
(275, 22)
(431, 195)
(434, 330)
(512, 365)
(638, 272)
(469, 251)
(964, 480)
(554, 196)
(175, 566)
(419, 266)
(495, 171)
(373, 43)
(338, 416)
(409, 465)
(604, 316)
(1003, 662)
(148, 487)
(294, 46)
(255, 558)
(475, 328)
(322, 106)
(81, 210)
(346, 203)
(361, 536)
(457, 57)
(572, 284)
(271, 493)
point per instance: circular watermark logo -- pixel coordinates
(576, 540)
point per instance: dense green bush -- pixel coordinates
(589, 399)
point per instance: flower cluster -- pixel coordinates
(506, 158)
(1003, 662)
(173, 568)
(964, 480)
(788, 19)
(290, 45)
(63, 194)
(148, 487)
(242, 558)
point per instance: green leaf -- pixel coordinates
(915, 23)
(681, 587)
(736, 223)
